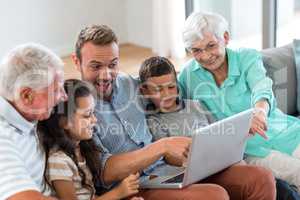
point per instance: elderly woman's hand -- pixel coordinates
(259, 122)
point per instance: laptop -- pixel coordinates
(213, 149)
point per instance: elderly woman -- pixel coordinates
(230, 81)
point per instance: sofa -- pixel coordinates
(281, 65)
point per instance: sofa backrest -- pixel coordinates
(280, 65)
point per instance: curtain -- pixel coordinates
(168, 20)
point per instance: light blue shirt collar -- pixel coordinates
(14, 118)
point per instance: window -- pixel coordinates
(255, 23)
(244, 18)
(288, 21)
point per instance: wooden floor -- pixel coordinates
(131, 57)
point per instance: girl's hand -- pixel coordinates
(129, 186)
(137, 198)
(259, 123)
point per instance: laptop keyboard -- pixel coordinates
(175, 179)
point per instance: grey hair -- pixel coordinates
(199, 22)
(28, 65)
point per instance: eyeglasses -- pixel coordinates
(209, 48)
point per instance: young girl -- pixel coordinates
(73, 159)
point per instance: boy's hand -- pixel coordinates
(129, 186)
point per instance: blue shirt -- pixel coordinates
(122, 125)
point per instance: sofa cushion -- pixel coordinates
(296, 45)
(280, 65)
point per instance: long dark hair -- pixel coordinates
(52, 135)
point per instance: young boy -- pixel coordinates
(167, 114)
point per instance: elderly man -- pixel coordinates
(31, 82)
(123, 131)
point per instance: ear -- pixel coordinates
(143, 89)
(76, 61)
(226, 37)
(27, 96)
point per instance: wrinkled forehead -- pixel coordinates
(207, 37)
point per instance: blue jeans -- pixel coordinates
(285, 191)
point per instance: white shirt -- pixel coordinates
(22, 160)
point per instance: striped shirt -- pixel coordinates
(22, 160)
(61, 167)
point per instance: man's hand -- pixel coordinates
(176, 149)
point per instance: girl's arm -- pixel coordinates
(59, 172)
(64, 189)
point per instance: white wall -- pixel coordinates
(56, 23)
(139, 22)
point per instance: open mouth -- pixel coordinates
(103, 85)
(168, 101)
